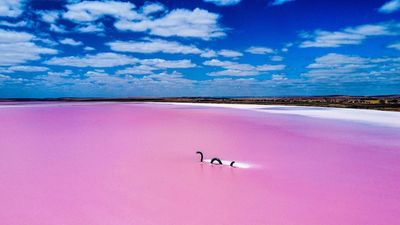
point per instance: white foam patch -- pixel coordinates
(375, 117)
(241, 165)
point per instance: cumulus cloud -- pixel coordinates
(58, 28)
(19, 47)
(278, 77)
(4, 77)
(277, 58)
(208, 53)
(49, 16)
(148, 66)
(339, 65)
(390, 6)
(267, 67)
(259, 50)
(165, 64)
(16, 24)
(230, 53)
(150, 46)
(238, 69)
(89, 11)
(11, 8)
(46, 41)
(70, 41)
(231, 72)
(99, 81)
(395, 46)
(286, 47)
(280, 2)
(151, 8)
(334, 60)
(154, 46)
(88, 48)
(197, 23)
(152, 18)
(107, 59)
(90, 28)
(137, 70)
(348, 36)
(223, 2)
(13, 69)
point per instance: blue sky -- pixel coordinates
(199, 48)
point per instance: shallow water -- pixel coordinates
(116, 163)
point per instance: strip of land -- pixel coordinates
(387, 102)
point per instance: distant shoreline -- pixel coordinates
(386, 103)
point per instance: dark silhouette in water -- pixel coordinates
(219, 162)
(201, 156)
(216, 159)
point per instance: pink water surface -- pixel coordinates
(135, 164)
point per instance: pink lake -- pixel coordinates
(135, 164)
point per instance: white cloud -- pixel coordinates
(390, 6)
(164, 76)
(88, 48)
(334, 60)
(348, 36)
(17, 24)
(58, 28)
(208, 53)
(49, 16)
(70, 41)
(18, 47)
(287, 46)
(151, 8)
(277, 58)
(107, 59)
(198, 23)
(90, 28)
(230, 72)
(280, 2)
(228, 64)
(165, 64)
(89, 11)
(137, 70)
(11, 8)
(259, 50)
(238, 69)
(395, 46)
(223, 2)
(100, 82)
(278, 77)
(339, 65)
(152, 18)
(170, 47)
(4, 77)
(267, 67)
(230, 53)
(7, 36)
(154, 46)
(147, 66)
(13, 69)
(46, 41)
